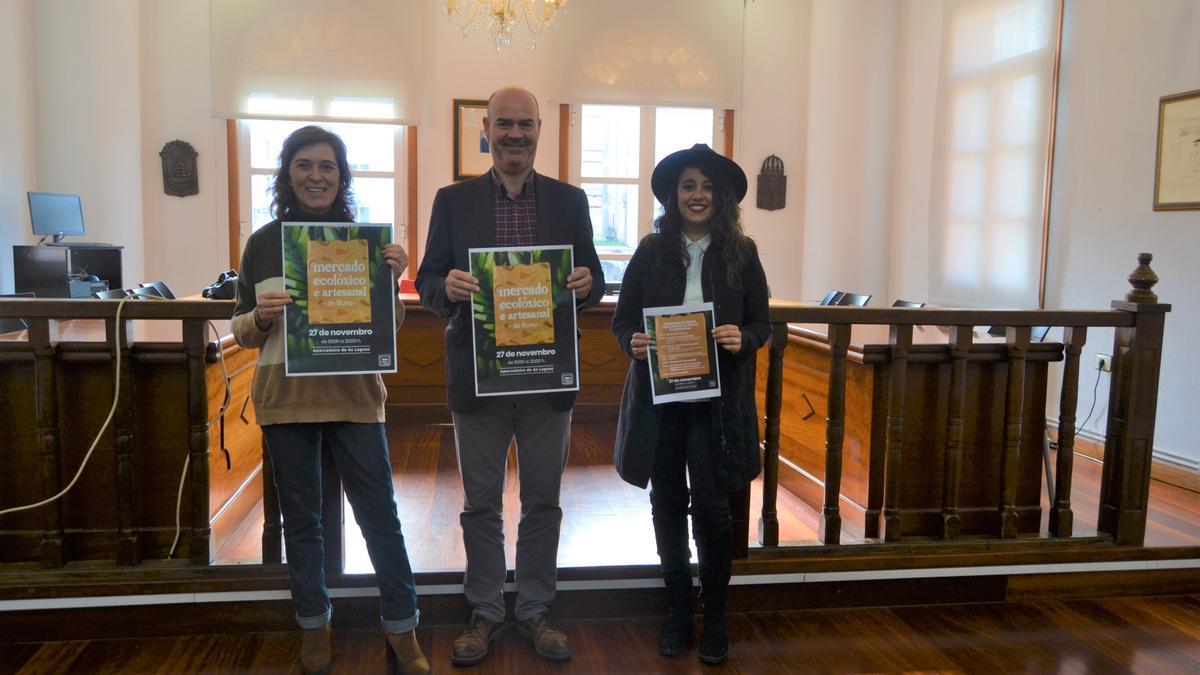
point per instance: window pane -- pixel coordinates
(681, 128)
(614, 216)
(346, 106)
(375, 200)
(260, 200)
(614, 270)
(369, 147)
(609, 141)
(266, 140)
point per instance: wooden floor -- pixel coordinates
(1141, 635)
(607, 522)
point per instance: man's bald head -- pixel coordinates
(512, 126)
(513, 93)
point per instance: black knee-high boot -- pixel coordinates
(670, 534)
(713, 529)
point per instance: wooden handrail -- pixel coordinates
(1138, 320)
(39, 308)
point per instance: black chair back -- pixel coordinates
(110, 294)
(831, 298)
(907, 303)
(853, 299)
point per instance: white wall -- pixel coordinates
(185, 238)
(850, 145)
(773, 120)
(88, 131)
(17, 164)
(1118, 59)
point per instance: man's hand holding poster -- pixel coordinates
(342, 318)
(524, 320)
(683, 355)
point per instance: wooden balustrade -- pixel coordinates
(1014, 394)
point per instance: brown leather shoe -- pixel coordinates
(404, 654)
(549, 643)
(473, 644)
(314, 650)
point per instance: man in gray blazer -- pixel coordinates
(511, 205)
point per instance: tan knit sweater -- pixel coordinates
(279, 399)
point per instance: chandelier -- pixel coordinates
(500, 19)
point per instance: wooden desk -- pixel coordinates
(56, 381)
(927, 393)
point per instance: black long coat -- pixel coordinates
(652, 280)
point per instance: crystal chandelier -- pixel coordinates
(500, 19)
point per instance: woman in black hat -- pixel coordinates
(698, 253)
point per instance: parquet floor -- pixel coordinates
(1111, 635)
(607, 521)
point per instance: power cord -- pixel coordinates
(1091, 410)
(107, 421)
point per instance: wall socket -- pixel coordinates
(1104, 362)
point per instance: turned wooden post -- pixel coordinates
(835, 433)
(122, 438)
(43, 337)
(1017, 339)
(1132, 405)
(900, 340)
(768, 522)
(960, 345)
(197, 388)
(1061, 518)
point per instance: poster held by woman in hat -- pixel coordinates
(694, 453)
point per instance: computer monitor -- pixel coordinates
(55, 215)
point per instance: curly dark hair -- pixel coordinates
(727, 232)
(284, 203)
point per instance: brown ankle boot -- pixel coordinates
(404, 654)
(314, 650)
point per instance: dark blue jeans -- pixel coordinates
(361, 456)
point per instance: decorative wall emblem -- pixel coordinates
(772, 185)
(179, 169)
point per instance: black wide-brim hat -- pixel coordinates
(717, 167)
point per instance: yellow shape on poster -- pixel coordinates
(524, 304)
(339, 282)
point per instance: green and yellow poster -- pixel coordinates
(524, 320)
(683, 354)
(342, 319)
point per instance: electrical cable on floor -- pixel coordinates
(107, 421)
(1091, 410)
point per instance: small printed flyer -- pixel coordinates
(524, 332)
(342, 319)
(683, 354)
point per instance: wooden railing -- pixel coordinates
(65, 382)
(1138, 320)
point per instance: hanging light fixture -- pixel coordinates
(500, 19)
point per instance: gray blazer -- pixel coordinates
(463, 218)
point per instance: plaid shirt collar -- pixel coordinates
(499, 190)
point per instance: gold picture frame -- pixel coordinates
(1177, 161)
(472, 157)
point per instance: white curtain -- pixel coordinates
(315, 59)
(659, 52)
(989, 160)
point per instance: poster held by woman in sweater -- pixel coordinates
(524, 320)
(342, 317)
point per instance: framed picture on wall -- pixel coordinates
(472, 156)
(1177, 168)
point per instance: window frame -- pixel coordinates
(645, 165)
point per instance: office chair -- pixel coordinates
(853, 299)
(907, 303)
(831, 298)
(110, 294)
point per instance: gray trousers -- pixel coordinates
(543, 439)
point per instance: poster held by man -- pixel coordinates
(524, 329)
(342, 318)
(683, 354)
